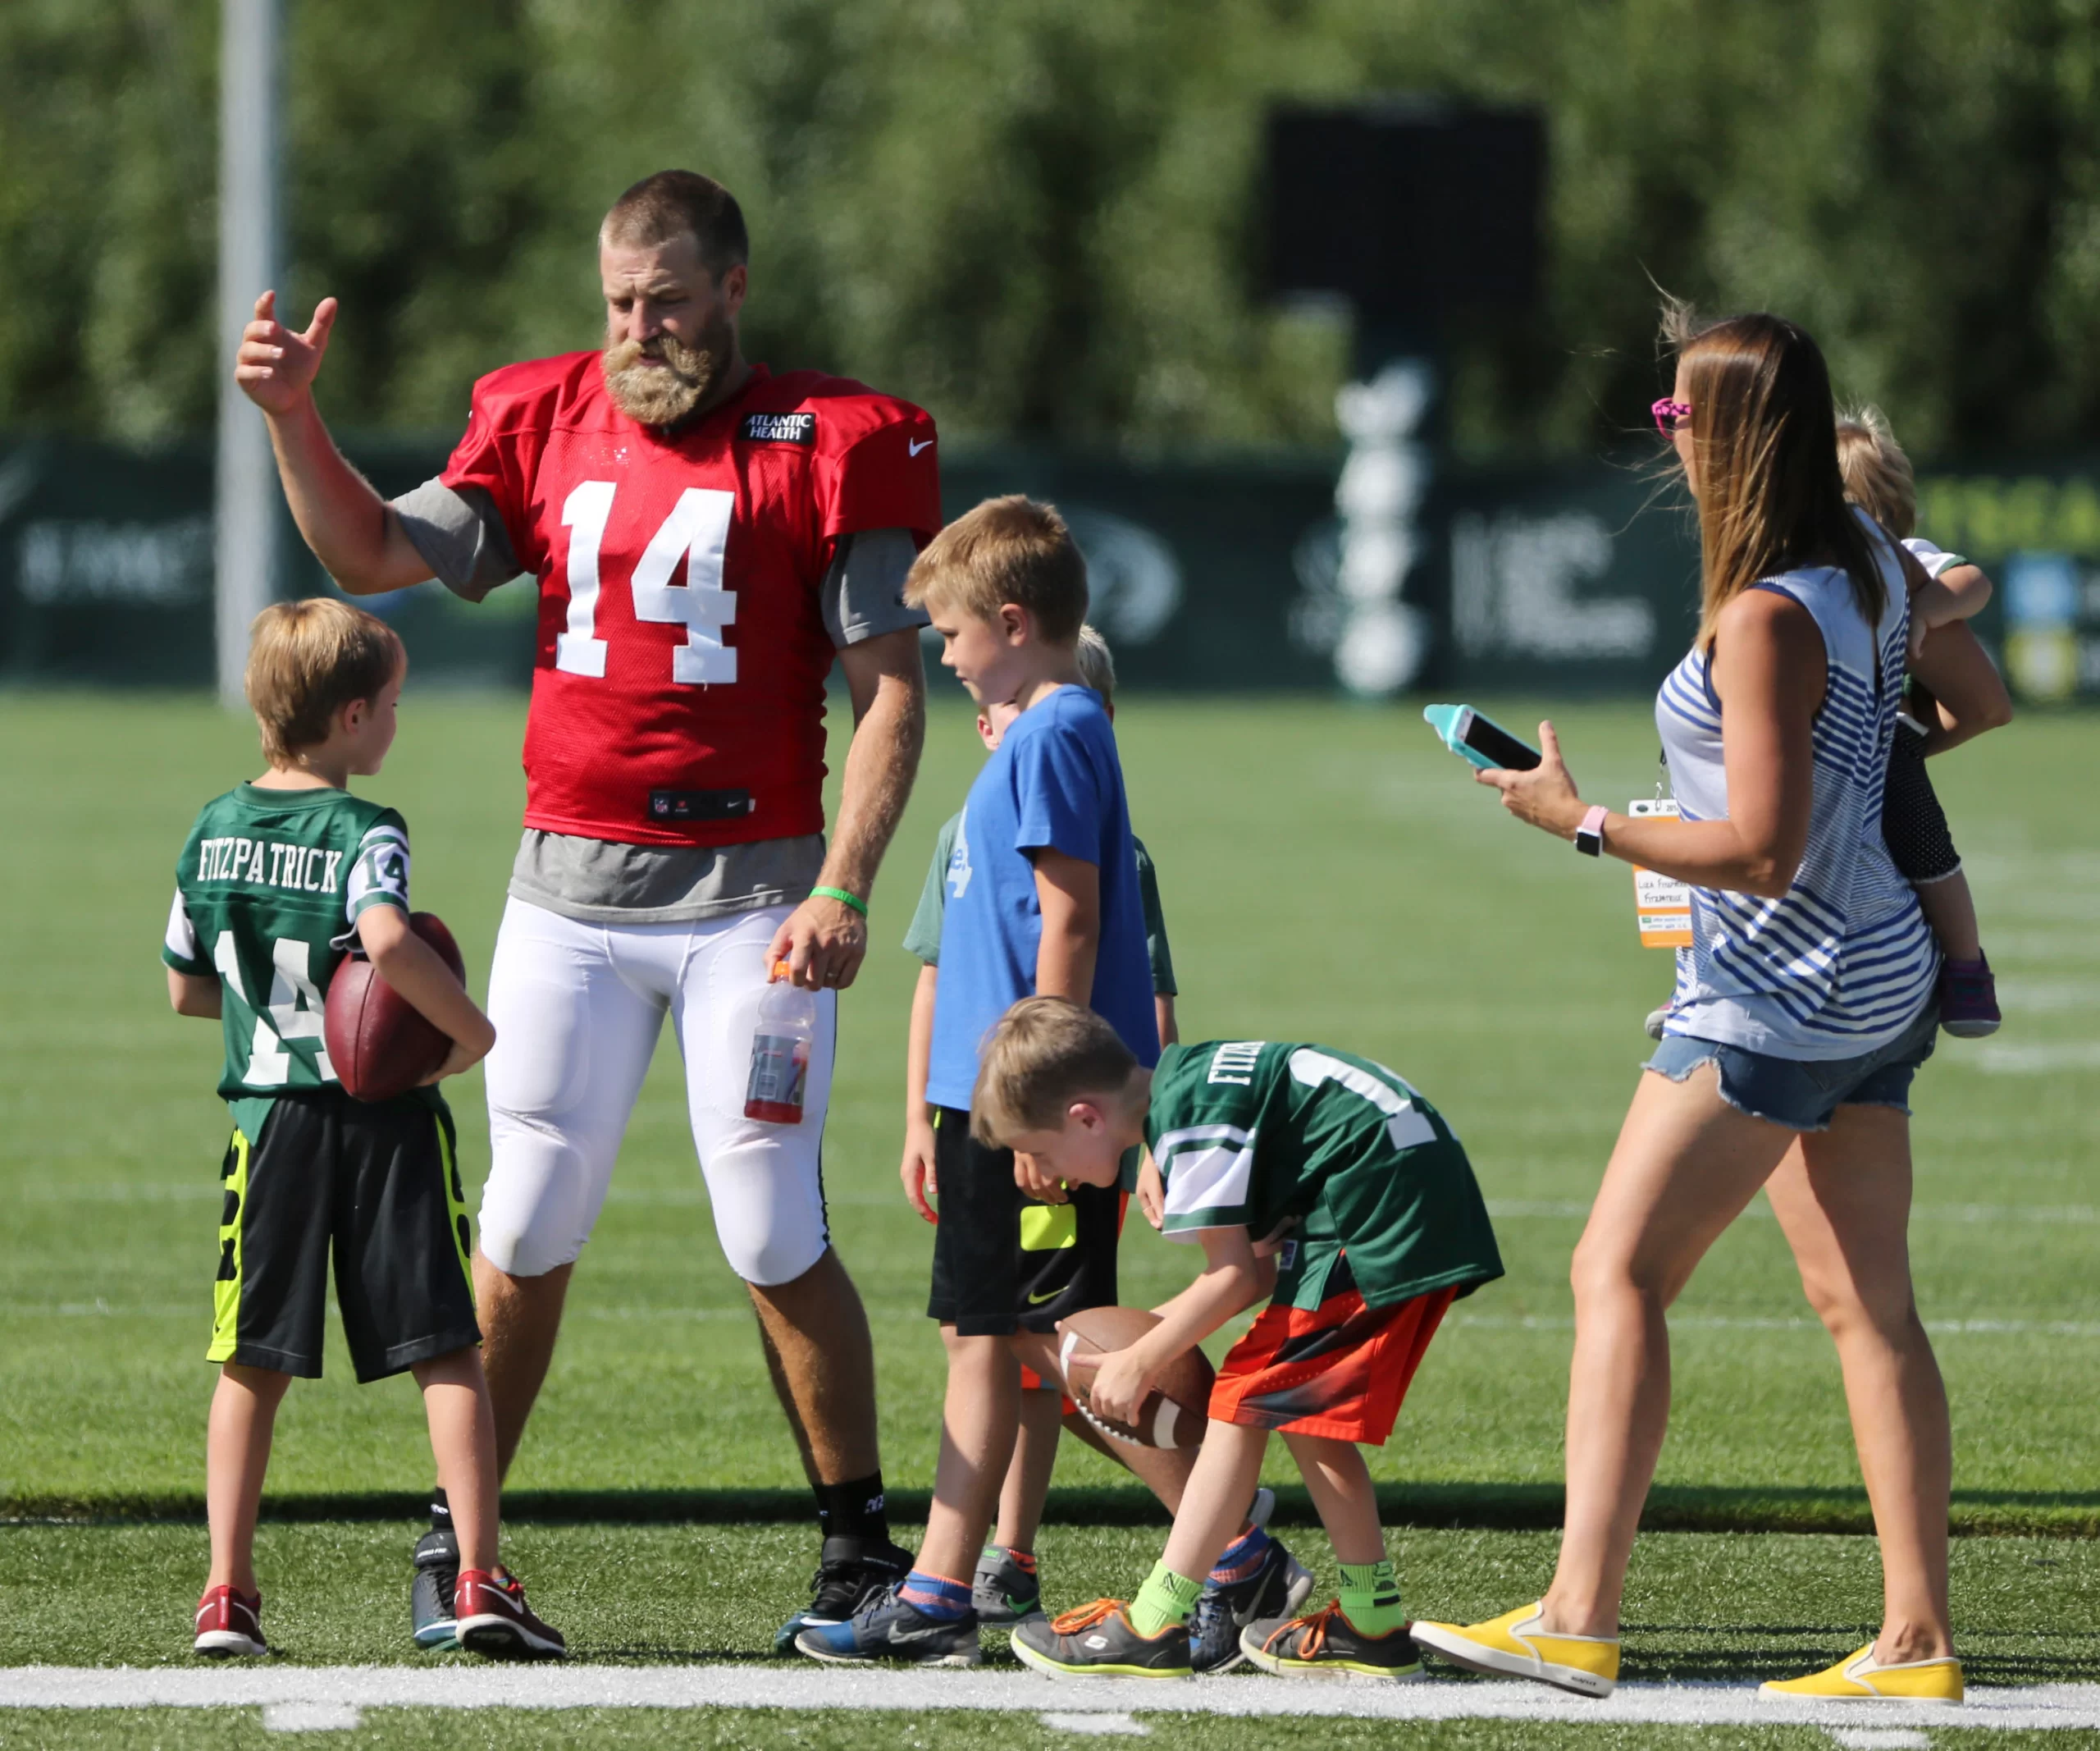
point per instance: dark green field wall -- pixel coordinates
(1208, 573)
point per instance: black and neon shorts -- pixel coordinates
(378, 1185)
(1002, 1262)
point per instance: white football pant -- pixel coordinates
(577, 1008)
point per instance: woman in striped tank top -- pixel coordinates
(1802, 1009)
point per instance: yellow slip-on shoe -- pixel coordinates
(1861, 1678)
(1514, 1645)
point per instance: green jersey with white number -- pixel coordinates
(1330, 1160)
(266, 895)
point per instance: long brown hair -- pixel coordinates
(1765, 432)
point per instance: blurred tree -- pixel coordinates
(1041, 217)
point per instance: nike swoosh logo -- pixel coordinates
(1037, 1300)
(915, 445)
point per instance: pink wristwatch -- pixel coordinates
(1590, 836)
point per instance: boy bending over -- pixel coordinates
(1315, 1176)
(280, 879)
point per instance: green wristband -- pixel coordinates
(842, 897)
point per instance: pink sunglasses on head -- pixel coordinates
(1668, 412)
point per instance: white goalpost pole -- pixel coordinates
(249, 260)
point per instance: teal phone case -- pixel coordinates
(1445, 720)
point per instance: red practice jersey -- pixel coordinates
(677, 695)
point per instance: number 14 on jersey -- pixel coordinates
(697, 532)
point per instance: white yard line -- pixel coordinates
(319, 1692)
(1797, 1323)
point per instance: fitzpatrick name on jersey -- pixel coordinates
(311, 869)
(682, 642)
(268, 891)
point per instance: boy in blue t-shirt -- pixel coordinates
(1042, 897)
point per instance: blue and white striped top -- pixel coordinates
(1843, 961)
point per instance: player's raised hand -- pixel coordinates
(274, 367)
(823, 941)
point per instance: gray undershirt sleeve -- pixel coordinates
(863, 593)
(460, 535)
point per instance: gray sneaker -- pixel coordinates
(1003, 1593)
(1326, 1644)
(1098, 1641)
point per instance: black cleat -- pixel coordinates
(430, 1613)
(850, 1572)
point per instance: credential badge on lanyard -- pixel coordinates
(1662, 904)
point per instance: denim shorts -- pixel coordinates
(1803, 1094)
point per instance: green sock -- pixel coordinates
(1167, 1598)
(1370, 1597)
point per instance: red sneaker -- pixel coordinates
(494, 1619)
(229, 1623)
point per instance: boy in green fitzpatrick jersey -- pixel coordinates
(279, 881)
(1301, 1170)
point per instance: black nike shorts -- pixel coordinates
(1003, 1262)
(378, 1185)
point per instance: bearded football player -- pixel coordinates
(707, 538)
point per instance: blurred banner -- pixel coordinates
(1218, 573)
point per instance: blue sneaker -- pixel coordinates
(1277, 1589)
(886, 1628)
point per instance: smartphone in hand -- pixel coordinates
(1479, 740)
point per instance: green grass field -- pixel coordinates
(1328, 873)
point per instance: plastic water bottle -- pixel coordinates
(780, 1051)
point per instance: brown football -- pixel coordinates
(380, 1044)
(1177, 1409)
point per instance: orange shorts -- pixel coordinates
(1340, 1370)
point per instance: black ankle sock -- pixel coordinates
(853, 1509)
(441, 1511)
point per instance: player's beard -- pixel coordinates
(664, 393)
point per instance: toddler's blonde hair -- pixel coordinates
(1878, 476)
(1097, 662)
